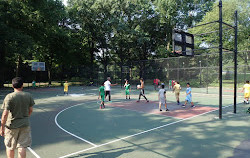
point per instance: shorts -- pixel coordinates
(177, 95)
(189, 98)
(162, 100)
(127, 92)
(103, 97)
(246, 95)
(66, 90)
(17, 138)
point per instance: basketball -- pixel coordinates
(138, 86)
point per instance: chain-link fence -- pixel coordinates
(201, 71)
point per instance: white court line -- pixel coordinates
(68, 131)
(78, 152)
(34, 153)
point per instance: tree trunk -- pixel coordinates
(18, 65)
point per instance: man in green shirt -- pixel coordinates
(102, 95)
(15, 124)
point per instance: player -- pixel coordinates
(246, 89)
(34, 84)
(66, 88)
(156, 83)
(188, 97)
(102, 95)
(142, 90)
(162, 97)
(107, 87)
(127, 89)
(170, 84)
(173, 83)
(176, 90)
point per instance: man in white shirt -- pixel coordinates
(107, 87)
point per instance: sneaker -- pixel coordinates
(103, 106)
(160, 109)
(192, 106)
(183, 106)
(147, 100)
(138, 101)
(167, 110)
(100, 107)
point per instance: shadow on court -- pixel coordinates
(106, 153)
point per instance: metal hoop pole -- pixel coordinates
(220, 59)
(235, 59)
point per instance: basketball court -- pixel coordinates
(74, 126)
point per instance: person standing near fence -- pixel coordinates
(107, 86)
(142, 92)
(170, 84)
(156, 83)
(246, 89)
(34, 84)
(15, 124)
(66, 88)
(176, 90)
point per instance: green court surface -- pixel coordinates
(73, 126)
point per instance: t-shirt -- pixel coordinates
(66, 85)
(34, 83)
(101, 90)
(189, 90)
(246, 88)
(170, 82)
(127, 86)
(161, 93)
(177, 88)
(18, 104)
(107, 85)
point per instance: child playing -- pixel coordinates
(142, 91)
(176, 90)
(102, 94)
(188, 97)
(66, 88)
(34, 84)
(162, 97)
(127, 89)
(246, 89)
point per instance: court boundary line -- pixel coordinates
(146, 131)
(34, 153)
(70, 132)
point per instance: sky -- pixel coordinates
(65, 2)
